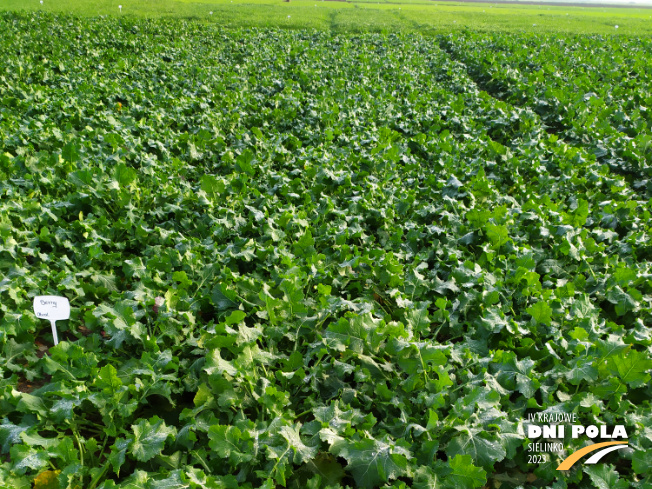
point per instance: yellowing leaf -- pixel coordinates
(47, 480)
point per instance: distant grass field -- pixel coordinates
(367, 15)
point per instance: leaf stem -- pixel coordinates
(438, 330)
(423, 366)
(280, 458)
(79, 445)
(251, 304)
(302, 414)
(97, 478)
(590, 269)
(201, 461)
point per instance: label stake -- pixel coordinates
(53, 308)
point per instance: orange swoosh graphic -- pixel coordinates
(575, 456)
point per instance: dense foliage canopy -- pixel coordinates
(310, 260)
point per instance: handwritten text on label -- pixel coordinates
(53, 308)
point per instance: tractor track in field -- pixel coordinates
(491, 91)
(416, 25)
(557, 130)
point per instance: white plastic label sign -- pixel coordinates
(53, 308)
